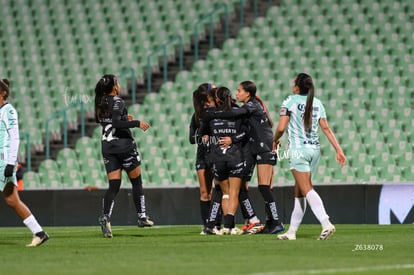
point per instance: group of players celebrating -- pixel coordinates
(232, 139)
(235, 135)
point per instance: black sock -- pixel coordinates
(215, 208)
(229, 221)
(204, 210)
(270, 204)
(110, 194)
(246, 205)
(219, 194)
(138, 196)
(219, 218)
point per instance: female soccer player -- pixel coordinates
(205, 177)
(10, 139)
(260, 143)
(118, 150)
(302, 113)
(227, 162)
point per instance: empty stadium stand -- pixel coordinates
(358, 52)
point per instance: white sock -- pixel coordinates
(317, 207)
(254, 219)
(298, 212)
(32, 224)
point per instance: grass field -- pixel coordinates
(353, 249)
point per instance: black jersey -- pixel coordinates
(196, 138)
(260, 132)
(116, 135)
(218, 128)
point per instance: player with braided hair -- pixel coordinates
(118, 150)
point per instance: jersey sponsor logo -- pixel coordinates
(301, 107)
(311, 142)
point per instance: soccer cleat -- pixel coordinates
(145, 222)
(203, 231)
(105, 226)
(236, 231)
(287, 236)
(212, 231)
(208, 231)
(38, 239)
(252, 228)
(245, 226)
(217, 231)
(326, 233)
(225, 231)
(272, 228)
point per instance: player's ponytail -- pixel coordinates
(306, 87)
(223, 98)
(4, 86)
(102, 89)
(200, 99)
(266, 111)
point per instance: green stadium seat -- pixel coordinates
(49, 174)
(86, 148)
(31, 180)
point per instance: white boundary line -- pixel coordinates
(336, 270)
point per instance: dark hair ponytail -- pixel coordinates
(4, 86)
(306, 87)
(200, 99)
(222, 96)
(102, 89)
(266, 111)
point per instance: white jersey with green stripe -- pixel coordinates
(8, 124)
(294, 107)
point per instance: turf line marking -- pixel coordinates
(336, 270)
(96, 228)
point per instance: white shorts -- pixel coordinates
(304, 160)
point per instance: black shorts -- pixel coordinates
(202, 158)
(202, 161)
(266, 158)
(225, 169)
(126, 161)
